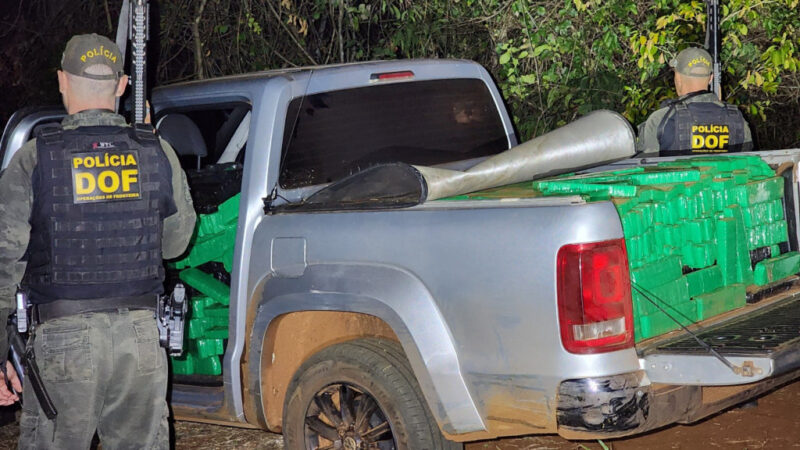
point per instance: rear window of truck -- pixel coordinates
(331, 135)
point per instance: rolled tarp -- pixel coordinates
(598, 138)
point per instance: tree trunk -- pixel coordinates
(198, 44)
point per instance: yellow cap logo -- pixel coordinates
(699, 60)
(94, 53)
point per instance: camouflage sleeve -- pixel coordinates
(179, 227)
(647, 139)
(16, 190)
(748, 139)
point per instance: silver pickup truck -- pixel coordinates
(424, 325)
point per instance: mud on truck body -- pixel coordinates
(564, 306)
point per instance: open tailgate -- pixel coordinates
(761, 340)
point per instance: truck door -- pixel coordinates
(22, 126)
(210, 142)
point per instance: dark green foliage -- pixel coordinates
(554, 60)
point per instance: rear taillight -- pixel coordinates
(594, 297)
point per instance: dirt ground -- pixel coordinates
(772, 424)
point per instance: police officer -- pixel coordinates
(696, 122)
(89, 208)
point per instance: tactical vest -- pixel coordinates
(101, 194)
(701, 127)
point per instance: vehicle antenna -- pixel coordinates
(285, 146)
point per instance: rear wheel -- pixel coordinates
(359, 395)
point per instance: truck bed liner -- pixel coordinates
(760, 333)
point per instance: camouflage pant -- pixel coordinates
(105, 372)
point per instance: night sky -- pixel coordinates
(33, 34)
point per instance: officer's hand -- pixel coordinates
(8, 397)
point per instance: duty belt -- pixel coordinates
(63, 308)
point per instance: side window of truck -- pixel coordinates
(211, 144)
(331, 135)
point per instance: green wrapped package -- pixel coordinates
(207, 319)
(690, 226)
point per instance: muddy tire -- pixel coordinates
(357, 395)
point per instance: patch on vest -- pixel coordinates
(710, 138)
(105, 176)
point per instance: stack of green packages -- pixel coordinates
(207, 325)
(690, 229)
